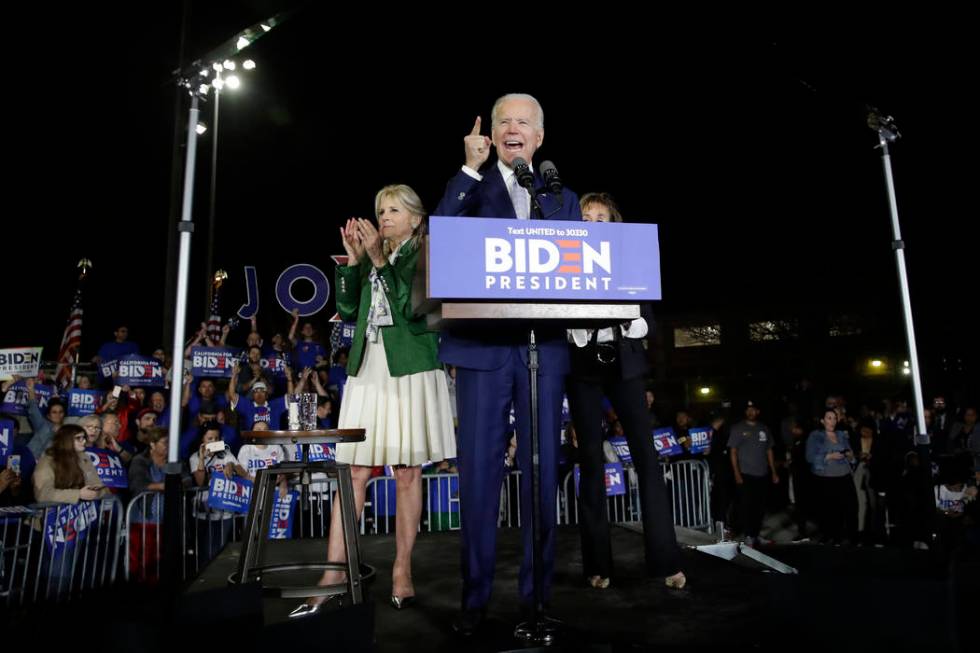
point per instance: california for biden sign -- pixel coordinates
(490, 258)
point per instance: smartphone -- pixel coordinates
(116, 391)
(215, 447)
(13, 464)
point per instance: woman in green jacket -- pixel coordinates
(396, 389)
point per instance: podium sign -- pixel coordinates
(535, 260)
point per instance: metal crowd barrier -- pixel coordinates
(206, 531)
(57, 551)
(440, 504)
(688, 484)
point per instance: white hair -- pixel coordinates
(517, 96)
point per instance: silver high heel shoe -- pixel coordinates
(305, 610)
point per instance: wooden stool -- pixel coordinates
(250, 567)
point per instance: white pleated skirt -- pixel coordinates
(407, 420)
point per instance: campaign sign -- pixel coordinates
(665, 441)
(108, 368)
(212, 362)
(67, 524)
(622, 450)
(111, 471)
(502, 259)
(231, 494)
(615, 480)
(6, 441)
(20, 361)
(700, 439)
(275, 364)
(316, 452)
(347, 330)
(283, 510)
(15, 399)
(138, 370)
(83, 402)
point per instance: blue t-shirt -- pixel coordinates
(194, 404)
(337, 376)
(113, 350)
(306, 353)
(271, 413)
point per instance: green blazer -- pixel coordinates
(409, 345)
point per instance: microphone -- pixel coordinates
(524, 175)
(551, 178)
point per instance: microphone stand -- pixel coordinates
(539, 630)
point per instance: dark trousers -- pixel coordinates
(837, 499)
(660, 543)
(752, 503)
(484, 398)
(803, 498)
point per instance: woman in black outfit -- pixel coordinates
(613, 362)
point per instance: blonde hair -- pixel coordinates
(90, 420)
(411, 201)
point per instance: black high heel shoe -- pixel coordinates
(402, 602)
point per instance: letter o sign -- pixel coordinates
(292, 274)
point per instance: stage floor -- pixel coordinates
(737, 605)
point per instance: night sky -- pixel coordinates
(750, 151)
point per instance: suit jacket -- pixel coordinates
(488, 347)
(409, 346)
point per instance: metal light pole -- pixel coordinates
(887, 132)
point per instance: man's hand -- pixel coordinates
(477, 147)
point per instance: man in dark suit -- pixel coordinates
(492, 367)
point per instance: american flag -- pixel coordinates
(214, 319)
(70, 341)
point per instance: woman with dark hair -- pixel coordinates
(65, 474)
(397, 390)
(612, 362)
(829, 453)
(211, 456)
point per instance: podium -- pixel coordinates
(522, 283)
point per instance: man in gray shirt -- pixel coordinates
(750, 450)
